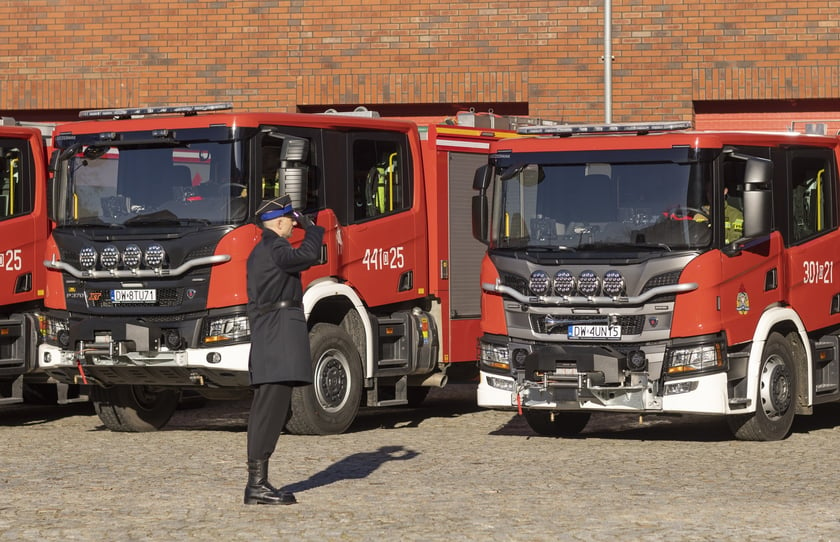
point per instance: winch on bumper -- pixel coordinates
(601, 376)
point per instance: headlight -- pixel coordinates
(680, 361)
(226, 328)
(54, 331)
(494, 356)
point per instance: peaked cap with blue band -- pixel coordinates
(275, 208)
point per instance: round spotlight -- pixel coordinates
(519, 356)
(636, 360)
(132, 256)
(539, 282)
(87, 258)
(564, 283)
(110, 257)
(613, 283)
(64, 338)
(173, 339)
(155, 255)
(588, 283)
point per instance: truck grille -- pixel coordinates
(630, 325)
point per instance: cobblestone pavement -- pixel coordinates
(447, 471)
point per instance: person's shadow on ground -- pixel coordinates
(355, 466)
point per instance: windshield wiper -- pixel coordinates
(92, 222)
(625, 246)
(549, 248)
(150, 220)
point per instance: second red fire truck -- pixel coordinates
(652, 269)
(154, 222)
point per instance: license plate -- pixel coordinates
(610, 333)
(134, 296)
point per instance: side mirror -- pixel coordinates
(52, 190)
(482, 178)
(758, 201)
(294, 172)
(480, 218)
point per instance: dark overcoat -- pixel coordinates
(279, 337)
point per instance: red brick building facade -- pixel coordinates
(672, 58)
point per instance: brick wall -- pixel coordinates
(290, 54)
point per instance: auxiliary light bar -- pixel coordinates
(637, 128)
(127, 113)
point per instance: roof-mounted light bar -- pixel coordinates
(636, 128)
(127, 113)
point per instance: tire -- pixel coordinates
(134, 409)
(331, 403)
(776, 404)
(565, 424)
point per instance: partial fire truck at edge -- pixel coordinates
(652, 269)
(24, 228)
(154, 221)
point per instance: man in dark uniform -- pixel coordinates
(280, 357)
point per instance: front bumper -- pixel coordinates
(704, 394)
(224, 366)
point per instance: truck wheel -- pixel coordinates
(774, 412)
(331, 403)
(134, 408)
(565, 424)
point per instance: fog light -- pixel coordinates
(214, 357)
(500, 383)
(677, 388)
(63, 338)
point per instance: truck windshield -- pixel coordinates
(661, 206)
(138, 185)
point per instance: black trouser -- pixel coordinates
(267, 419)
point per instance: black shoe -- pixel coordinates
(259, 490)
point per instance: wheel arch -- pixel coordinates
(329, 301)
(786, 322)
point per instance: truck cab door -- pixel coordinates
(21, 255)
(812, 259)
(383, 247)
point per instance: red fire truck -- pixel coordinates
(654, 269)
(24, 227)
(154, 222)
